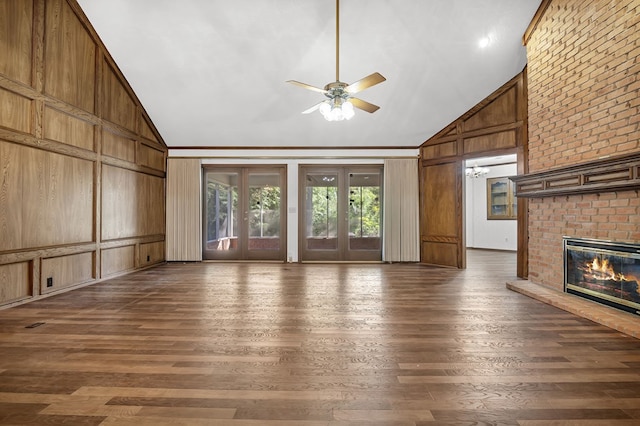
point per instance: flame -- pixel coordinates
(602, 269)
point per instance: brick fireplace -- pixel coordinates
(583, 129)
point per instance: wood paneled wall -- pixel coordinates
(497, 125)
(82, 167)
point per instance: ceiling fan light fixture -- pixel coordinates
(337, 109)
(325, 108)
(347, 108)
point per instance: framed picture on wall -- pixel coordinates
(501, 199)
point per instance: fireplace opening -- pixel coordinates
(604, 271)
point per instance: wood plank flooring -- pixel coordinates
(313, 345)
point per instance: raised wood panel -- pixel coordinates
(491, 142)
(132, 204)
(57, 205)
(67, 271)
(15, 282)
(440, 200)
(11, 196)
(151, 253)
(502, 110)
(151, 205)
(448, 149)
(118, 147)
(16, 29)
(117, 260)
(119, 190)
(439, 253)
(16, 111)
(146, 131)
(70, 67)
(441, 215)
(118, 107)
(151, 157)
(67, 129)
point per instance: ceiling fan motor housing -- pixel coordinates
(336, 90)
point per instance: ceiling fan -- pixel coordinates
(340, 101)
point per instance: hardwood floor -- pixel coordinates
(313, 344)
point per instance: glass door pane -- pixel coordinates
(264, 214)
(221, 211)
(364, 211)
(321, 211)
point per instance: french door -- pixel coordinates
(244, 216)
(340, 213)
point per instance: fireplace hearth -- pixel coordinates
(604, 271)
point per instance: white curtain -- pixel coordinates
(183, 239)
(401, 233)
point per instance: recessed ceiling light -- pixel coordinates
(484, 42)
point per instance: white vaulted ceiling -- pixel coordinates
(212, 73)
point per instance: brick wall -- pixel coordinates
(584, 104)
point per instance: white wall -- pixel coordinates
(483, 233)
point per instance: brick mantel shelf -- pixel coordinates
(602, 175)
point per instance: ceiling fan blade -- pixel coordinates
(364, 105)
(307, 86)
(368, 81)
(313, 108)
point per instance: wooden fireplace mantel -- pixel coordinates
(602, 175)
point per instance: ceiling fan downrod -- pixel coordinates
(337, 40)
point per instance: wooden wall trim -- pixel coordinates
(122, 164)
(284, 148)
(122, 242)
(534, 22)
(23, 256)
(604, 175)
(482, 132)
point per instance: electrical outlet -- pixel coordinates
(50, 282)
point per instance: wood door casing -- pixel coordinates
(442, 239)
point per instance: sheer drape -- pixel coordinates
(401, 234)
(183, 238)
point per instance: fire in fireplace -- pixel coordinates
(604, 271)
